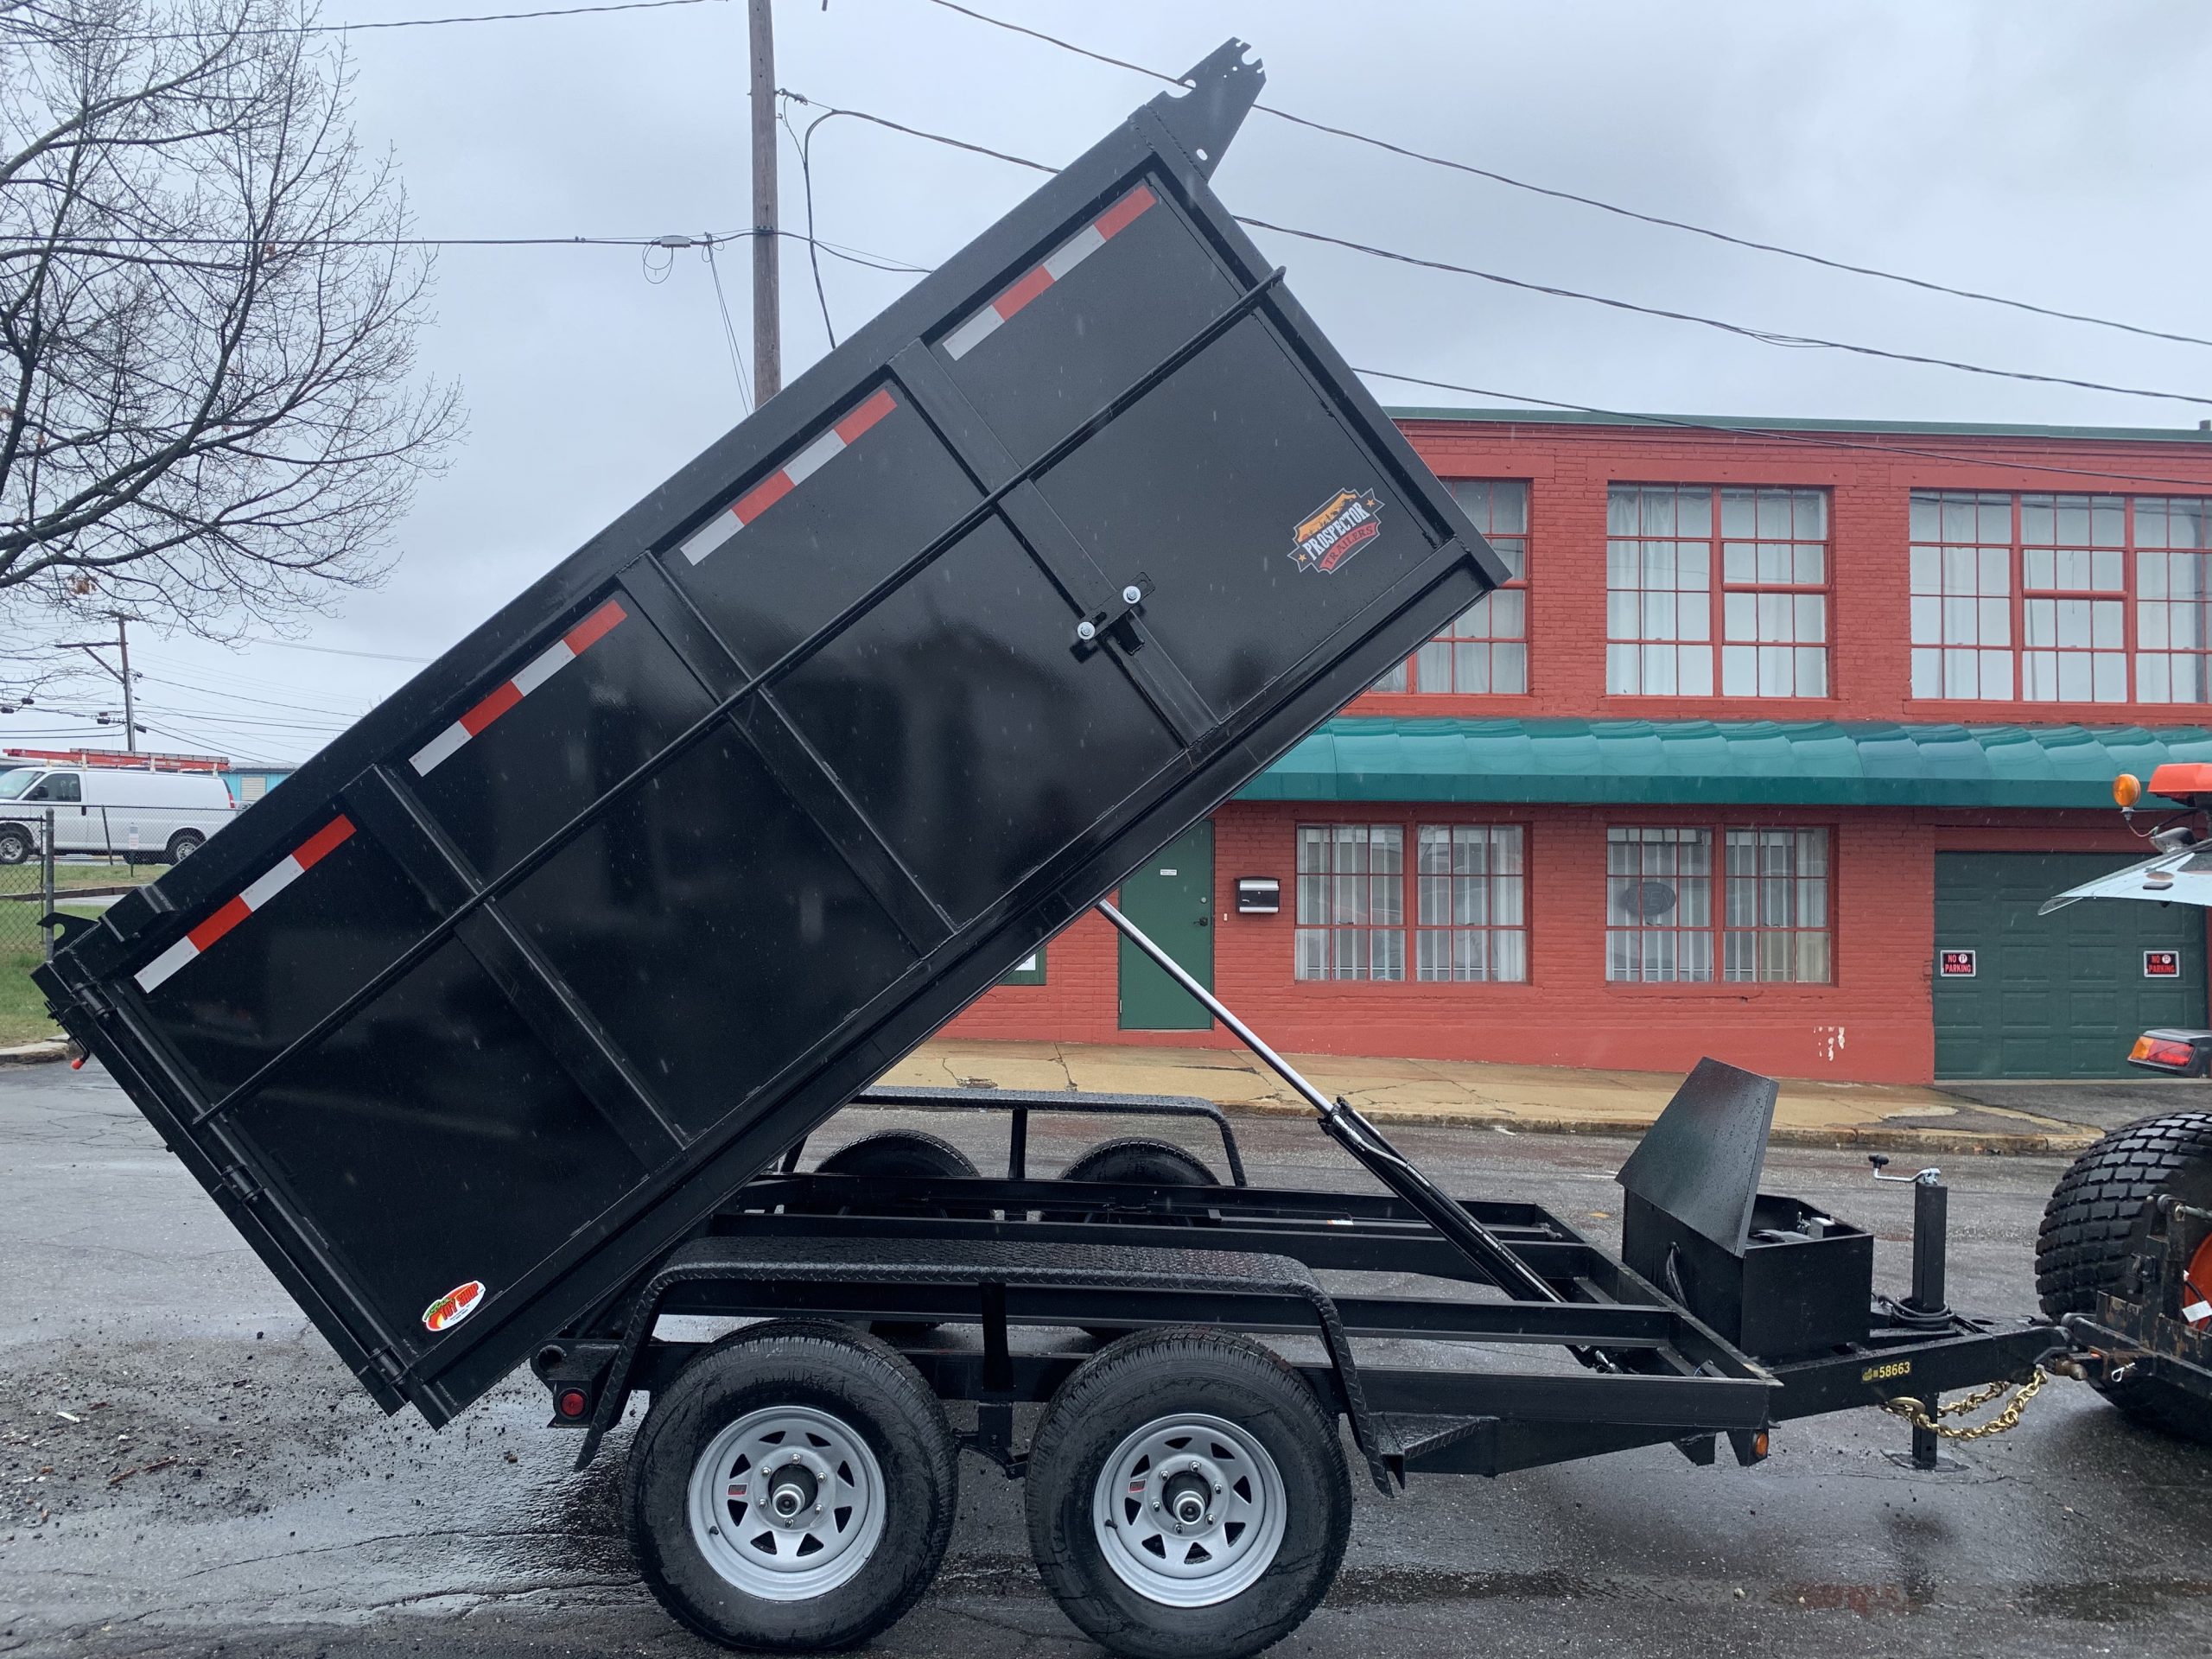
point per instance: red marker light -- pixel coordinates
(571, 1402)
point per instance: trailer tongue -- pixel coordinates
(485, 1029)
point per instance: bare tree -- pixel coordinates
(210, 411)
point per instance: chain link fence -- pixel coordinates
(27, 891)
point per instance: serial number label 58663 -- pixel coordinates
(1881, 1373)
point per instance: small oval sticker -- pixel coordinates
(453, 1307)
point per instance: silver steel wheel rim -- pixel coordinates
(1163, 1546)
(745, 1521)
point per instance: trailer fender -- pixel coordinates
(737, 1260)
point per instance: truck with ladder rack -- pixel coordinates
(500, 1031)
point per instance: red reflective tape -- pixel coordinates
(1027, 289)
(865, 416)
(595, 627)
(1117, 217)
(491, 708)
(320, 844)
(219, 924)
(761, 497)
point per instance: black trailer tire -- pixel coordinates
(15, 844)
(871, 1433)
(898, 1152)
(1278, 1513)
(910, 1154)
(1137, 1160)
(2098, 1214)
(183, 844)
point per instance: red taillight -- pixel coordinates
(571, 1402)
(2162, 1052)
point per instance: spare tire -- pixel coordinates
(2098, 1215)
(895, 1154)
(1137, 1161)
(905, 1154)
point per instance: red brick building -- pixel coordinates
(1770, 750)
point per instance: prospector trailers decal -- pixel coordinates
(453, 1307)
(1339, 528)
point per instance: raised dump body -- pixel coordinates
(518, 979)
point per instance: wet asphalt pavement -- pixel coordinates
(187, 1469)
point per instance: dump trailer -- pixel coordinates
(500, 1031)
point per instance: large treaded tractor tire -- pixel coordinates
(2098, 1214)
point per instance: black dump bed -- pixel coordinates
(470, 1020)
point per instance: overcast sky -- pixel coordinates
(2043, 151)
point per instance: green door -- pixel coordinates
(1171, 897)
(2060, 995)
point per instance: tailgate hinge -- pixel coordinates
(240, 1180)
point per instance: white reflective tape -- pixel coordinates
(288, 870)
(2197, 1313)
(812, 460)
(971, 333)
(544, 666)
(167, 963)
(711, 535)
(1073, 251)
(440, 748)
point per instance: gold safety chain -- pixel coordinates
(1917, 1414)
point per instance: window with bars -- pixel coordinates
(1470, 903)
(1690, 569)
(1351, 901)
(1774, 920)
(1469, 899)
(2059, 598)
(1485, 651)
(1658, 904)
(1661, 923)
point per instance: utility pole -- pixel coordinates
(92, 648)
(129, 708)
(767, 321)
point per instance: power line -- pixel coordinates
(339, 651)
(674, 242)
(729, 332)
(805, 143)
(1763, 336)
(1924, 283)
(1781, 434)
(219, 36)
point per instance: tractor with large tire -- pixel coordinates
(2124, 1255)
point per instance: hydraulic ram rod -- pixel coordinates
(1361, 1138)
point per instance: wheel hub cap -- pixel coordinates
(1189, 1510)
(787, 1503)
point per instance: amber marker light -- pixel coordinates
(2127, 789)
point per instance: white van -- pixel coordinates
(122, 812)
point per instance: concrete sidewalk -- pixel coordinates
(1878, 1117)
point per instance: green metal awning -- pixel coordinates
(1782, 763)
